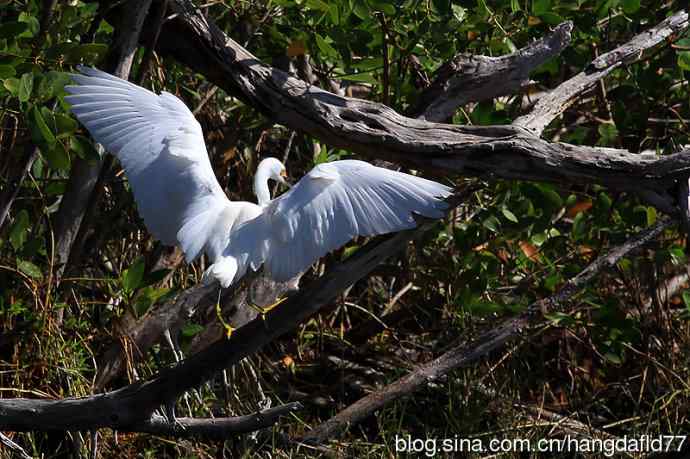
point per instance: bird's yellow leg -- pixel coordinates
(228, 328)
(265, 309)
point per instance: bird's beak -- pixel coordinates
(283, 179)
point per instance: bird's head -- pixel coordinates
(272, 168)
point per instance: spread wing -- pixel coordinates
(331, 205)
(161, 148)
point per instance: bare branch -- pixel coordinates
(558, 100)
(489, 341)
(376, 131)
(467, 78)
(12, 189)
(218, 428)
(18, 450)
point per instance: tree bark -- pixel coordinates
(468, 78)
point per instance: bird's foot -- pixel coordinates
(263, 310)
(228, 328)
(169, 414)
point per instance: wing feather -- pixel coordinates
(161, 147)
(332, 204)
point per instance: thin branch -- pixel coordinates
(464, 354)
(18, 450)
(558, 100)
(469, 78)
(217, 428)
(12, 189)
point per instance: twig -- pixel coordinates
(556, 101)
(489, 341)
(386, 62)
(12, 189)
(5, 440)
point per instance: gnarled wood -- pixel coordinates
(468, 78)
(557, 101)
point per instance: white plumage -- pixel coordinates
(162, 151)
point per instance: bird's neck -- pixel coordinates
(263, 195)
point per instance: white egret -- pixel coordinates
(161, 148)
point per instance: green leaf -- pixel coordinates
(631, 6)
(509, 215)
(40, 131)
(191, 330)
(18, 232)
(156, 276)
(684, 60)
(608, 134)
(132, 276)
(459, 12)
(32, 24)
(147, 297)
(579, 226)
(326, 49)
(365, 77)
(64, 124)
(491, 223)
(12, 85)
(559, 318)
(348, 252)
(686, 299)
(29, 269)
(7, 71)
(89, 52)
(540, 7)
(551, 18)
(550, 196)
(83, 148)
(12, 29)
(57, 157)
(515, 6)
(361, 9)
(383, 6)
(26, 84)
(318, 5)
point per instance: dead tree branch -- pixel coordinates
(468, 78)
(374, 130)
(217, 428)
(464, 354)
(558, 100)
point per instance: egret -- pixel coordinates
(162, 151)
